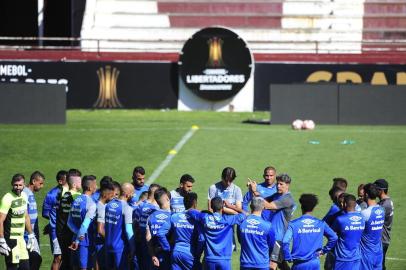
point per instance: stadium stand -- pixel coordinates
(322, 27)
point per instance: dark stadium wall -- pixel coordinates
(154, 84)
(272, 73)
(18, 18)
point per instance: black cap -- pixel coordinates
(381, 184)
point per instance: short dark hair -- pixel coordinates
(216, 204)
(108, 186)
(36, 174)
(105, 181)
(61, 174)
(189, 199)
(350, 201)
(228, 173)
(139, 170)
(269, 168)
(340, 182)
(371, 191)
(186, 178)
(74, 172)
(308, 202)
(283, 178)
(159, 193)
(116, 185)
(17, 177)
(333, 193)
(86, 180)
(152, 188)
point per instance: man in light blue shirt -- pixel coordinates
(349, 227)
(371, 240)
(185, 185)
(257, 238)
(218, 233)
(307, 234)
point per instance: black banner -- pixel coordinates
(102, 84)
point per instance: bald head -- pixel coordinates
(128, 190)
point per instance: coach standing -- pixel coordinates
(386, 202)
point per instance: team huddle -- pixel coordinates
(136, 226)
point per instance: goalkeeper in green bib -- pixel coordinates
(14, 220)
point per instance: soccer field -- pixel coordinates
(106, 142)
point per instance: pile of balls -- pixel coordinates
(306, 124)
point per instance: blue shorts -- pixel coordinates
(308, 265)
(371, 261)
(181, 260)
(117, 260)
(83, 257)
(218, 265)
(344, 265)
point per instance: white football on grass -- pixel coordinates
(309, 124)
(297, 124)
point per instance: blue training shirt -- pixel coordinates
(32, 212)
(177, 202)
(265, 191)
(50, 207)
(332, 214)
(83, 207)
(307, 233)
(349, 228)
(371, 242)
(137, 192)
(155, 221)
(218, 233)
(117, 214)
(257, 240)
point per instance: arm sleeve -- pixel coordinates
(162, 232)
(128, 214)
(246, 201)
(194, 214)
(83, 228)
(129, 231)
(283, 202)
(90, 215)
(235, 219)
(46, 206)
(271, 238)
(286, 243)
(212, 192)
(238, 194)
(5, 204)
(101, 211)
(331, 238)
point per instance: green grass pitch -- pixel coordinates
(112, 142)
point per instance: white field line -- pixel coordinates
(172, 154)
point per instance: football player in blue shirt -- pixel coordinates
(184, 233)
(138, 183)
(349, 227)
(307, 234)
(335, 193)
(119, 242)
(107, 193)
(140, 218)
(81, 221)
(49, 207)
(185, 185)
(263, 190)
(371, 242)
(257, 238)
(218, 233)
(283, 206)
(159, 256)
(36, 183)
(104, 181)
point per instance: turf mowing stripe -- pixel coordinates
(395, 259)
(172, 154)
